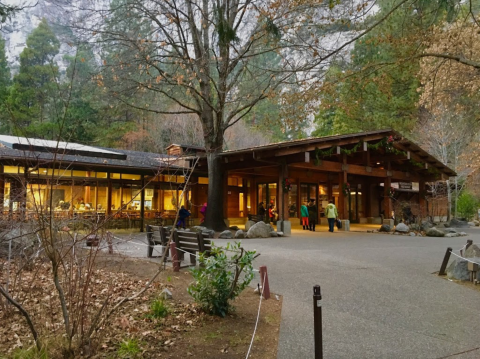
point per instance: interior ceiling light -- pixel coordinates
(378, 163)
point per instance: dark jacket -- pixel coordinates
(183, 213)
(312, 212)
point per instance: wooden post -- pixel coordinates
(142, 205)
(422, 201)
(387, 201)
(109, 195)
(264, 282)
(175, 262)
(283, 205)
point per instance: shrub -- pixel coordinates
(158, 309)
(217, 281)
(128, 349)
(467, 205)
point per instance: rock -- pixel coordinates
(166, 294)
(199, 228)
(239, 234)
(471, 224)
(454, 234)
(402, 228)
(476, 223)
(280, 234)
(260, 230)
(458, 270)
(450, 230)
(226, 234)
(434, 232)
(426, 225)
(458, 223)
(412, 234)
(414, 227)
(233, 228)
(384, 228)
(273, 234)
(472, 251)
(249, 224)
(463, 234)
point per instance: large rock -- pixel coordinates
(226, 234)
(450, 230)
(260, 230)
(454, 234)
(199, 228)
(476, 223)
(472, 251)
(249, 224)
(402, 228)
(456, 223)
(210, 233)
(434, 232)
(273, 234)
(458, 270)
(239, 234)
(426, 225)
(384, 228)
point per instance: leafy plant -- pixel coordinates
(467, 205)
(158, 309)
(129, 348)
(217, 281)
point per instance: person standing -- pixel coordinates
(271, 213)
(332, 215)
(312, 214)
(261, 210)
(304, 215)
(203, 211)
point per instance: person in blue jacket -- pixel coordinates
(182, 216)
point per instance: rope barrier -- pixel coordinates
(258, 317)
(468, 260)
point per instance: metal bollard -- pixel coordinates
(445, 261)
(317, 322)
(175, 262)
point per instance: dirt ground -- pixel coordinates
(186, 331)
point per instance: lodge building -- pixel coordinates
(367, 174)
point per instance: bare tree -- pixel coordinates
(218, 59)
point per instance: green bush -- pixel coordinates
(158, 309)
(467, 205)
(218, 280)
(128, 349)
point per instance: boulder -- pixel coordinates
(412, 234)
(226, 234)
(199, 228)
(450, 230)
(260, 230)
(462, 234)
(209, 232)
(280, 234)
(239, 234)
(434, 232)
(454, 234)
(426, 225)
(249, 224)
(471, 224)
(414, 227)
(384, 228)
(402, 228)
(476, 223)
(234, 228)
(273, 234)
(458, 223)
(472, 251)
(458, 269)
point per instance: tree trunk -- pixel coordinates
(214, 216)
(449, 201)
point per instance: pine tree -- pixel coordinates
(31, 101)
(5, 80)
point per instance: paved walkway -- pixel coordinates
(380, 298)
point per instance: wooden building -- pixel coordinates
(366, 174)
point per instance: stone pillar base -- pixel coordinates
(285, 227)
(345, 225)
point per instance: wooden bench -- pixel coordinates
(192, 243)
(157, 235)
(256, 218)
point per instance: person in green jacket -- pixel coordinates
(332, 215)
(304, 215)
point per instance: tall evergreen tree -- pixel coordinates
(31, 104)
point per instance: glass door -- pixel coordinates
(268, 194)
(308, 191)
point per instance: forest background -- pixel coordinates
(413, 69)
